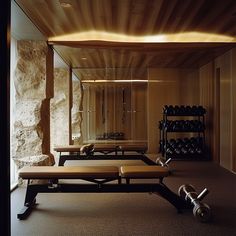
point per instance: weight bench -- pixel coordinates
(139, 148)
(86, 152)
(106, 148)
(101, 148)
(98, 179)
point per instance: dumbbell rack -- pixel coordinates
(198, 133)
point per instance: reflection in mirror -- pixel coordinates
(114, 104)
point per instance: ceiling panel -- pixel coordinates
(134, 17)
(57, 18)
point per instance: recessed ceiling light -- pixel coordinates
(84, 58)
(65, 4)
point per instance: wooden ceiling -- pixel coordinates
(133, 18)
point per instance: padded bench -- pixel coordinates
(140, 148)
(102, 148)
(69, 148)
(101, 180)
(69, 172)
(106, 149)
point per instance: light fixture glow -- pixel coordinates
(127, 81)
(113, 81)
(184, 37)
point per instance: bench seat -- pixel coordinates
(93, 172)
(133, 147)
(68, 172)
(68, 148)
(105, 148)
(143, 172)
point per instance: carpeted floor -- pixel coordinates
(124, 214)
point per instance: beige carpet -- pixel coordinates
(133, 214)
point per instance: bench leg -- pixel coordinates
(148, 161)
(171, 197)
(30, 201)
(62, 161)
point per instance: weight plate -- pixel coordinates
(202, 212)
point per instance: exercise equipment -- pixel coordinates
(87, 149)
(165, 163)
(101, 180)
(185, 146)
(110, 151)
(172, 122)
(200, 210)
(184, 110)
(139, 148)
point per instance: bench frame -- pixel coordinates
(142, 157)
(100, 186)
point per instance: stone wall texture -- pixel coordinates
(60, 109)
(76, 118)
(29, 132)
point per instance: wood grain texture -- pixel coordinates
(224, 63)
(134, 18)
(168, 90)
(207, 98)
(233, 58)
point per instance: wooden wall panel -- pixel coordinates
(233, 71)
(206, 84)
(139, 104)
(224, 63)
(217, 92)
(168, 86)
(233, 89)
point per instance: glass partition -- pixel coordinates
(114, 105)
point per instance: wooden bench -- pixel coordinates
(99, 179)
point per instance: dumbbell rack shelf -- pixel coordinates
(191, 148)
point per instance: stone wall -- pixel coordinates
(31, 108)
(76, 118)
(60, 109)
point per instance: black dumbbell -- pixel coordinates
(191, 150)
(186, 140)
(169, 151)
(170, 110)
(201, 110)
(200, 210)
(194, 110)
(198, 150)
(188, 110)
(88, 149)
(176, 110)
(182, 110)
(177, 150)
(165, 109)
(184, 150)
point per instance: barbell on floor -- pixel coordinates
(200, 210)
